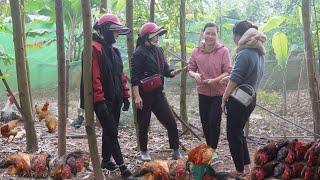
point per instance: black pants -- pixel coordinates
(210, 115)
(157, 103)
(110, 143)
(237, 116)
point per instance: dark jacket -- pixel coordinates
(108, 80)
(144, 64)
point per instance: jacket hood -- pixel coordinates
(252, 38)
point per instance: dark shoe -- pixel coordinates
(109, 165)
(125, 172)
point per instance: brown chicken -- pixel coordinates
(18, 163)
(77, 161)
(262, 172)
(60, 169)
(155, 170)
(201, 154)
(9, 129)
(41, 113)
(287, 173)
(268, 152)
(40, 165)
(302, 150)
(51, 122)
(312, 156)
(291, 156)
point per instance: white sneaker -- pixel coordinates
(145, 156)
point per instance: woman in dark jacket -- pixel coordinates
(248, 70)
(110, 91)
(148, 60)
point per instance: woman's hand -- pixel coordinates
(175, 72)
(210, 81)
(138, 102)
(198, 77)
(224, 80)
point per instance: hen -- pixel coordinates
(309, 173)
(41, 113)
(297, 169)
(155, 170)
(51, 120)
(278, 170)
(178, 170)
(201, 155)
(18, 163)
(268, 152)
(9, 129)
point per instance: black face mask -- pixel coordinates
(108, 36)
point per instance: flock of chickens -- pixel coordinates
(42, 165)
(287, 160)
(11, 119)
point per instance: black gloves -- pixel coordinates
(126, 104)
(106, 119)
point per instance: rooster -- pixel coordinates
(77, 161)
(260, 173)
(178, 170)
(287, 173)
(301, 150)
(282, 153)
(268, 152)
(40, 165)
(291, 156)
(312, 156)
(9, 129)
(201, 154)
(7, 113)
(60, 169)
(309, 173)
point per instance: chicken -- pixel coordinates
(201, 155)
(278, 170)
(41, 113)
(178, 170)
(291, 156)
(301, 150)
(287, 173)
(18, 163)
(9, 129)
(312, 155)
(40, 165)
(268, 152)
(60, 169)
(51, 122)
(76, 161)
(296, 169)
(260, 173)
(155, 170)
(7, 113)
(282, 153)
(309, 173)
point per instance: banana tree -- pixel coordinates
(282, 52)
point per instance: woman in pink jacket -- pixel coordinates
(209, 63)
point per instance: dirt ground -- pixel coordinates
(263, 127)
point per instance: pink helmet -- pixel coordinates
(151, 29)
(113, 23)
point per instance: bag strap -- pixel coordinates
(158, 62)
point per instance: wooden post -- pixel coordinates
(130, 45)
(23, 86)
(61, 79)
(313, 83)
(183, 82)
(88, 98)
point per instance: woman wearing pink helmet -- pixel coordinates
(110, 91)
(148, 69)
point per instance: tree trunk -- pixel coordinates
(183, 82)
(317, 31)
(313, 83)
(300, 80)
(152, 10)
(87, 81)
(25, 49)
(22, 77)
(104, 6)
(130, 45)
(61, 79)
